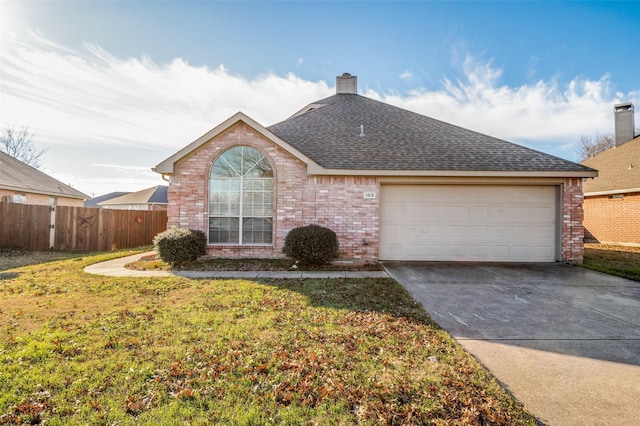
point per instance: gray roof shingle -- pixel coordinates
(398, 139)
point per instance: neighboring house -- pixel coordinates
(154, 198)
(95, 200)
(21, 183)
(612, 200)
(393, 185)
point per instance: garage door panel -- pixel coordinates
(545, 213)
(521, 252)
(457, 211)
(479, 212)
(475, 232)
(501, 232)
(524, 213)
(498, 210)
(540, 251)
(479, 252)
(434, 232)
(468, 222)
(435, 211)
(546, 233)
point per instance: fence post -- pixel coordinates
(52, 226)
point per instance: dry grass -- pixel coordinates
(10, 259)
(77, 348)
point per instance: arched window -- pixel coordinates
(241, 198)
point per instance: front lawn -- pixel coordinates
(83, 349)
(622, 261)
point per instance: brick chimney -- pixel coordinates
(347, 83)
(624, 125)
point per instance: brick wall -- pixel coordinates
(336, 202)
(572, 216)
(613, 220)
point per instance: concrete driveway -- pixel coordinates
(563, 339)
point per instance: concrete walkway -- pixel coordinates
(563, 339)
(115, 268)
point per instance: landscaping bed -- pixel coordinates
(78, 349)
(153, 262)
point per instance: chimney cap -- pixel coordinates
(347, 83)
(623, 106)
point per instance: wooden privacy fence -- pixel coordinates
(32, 227)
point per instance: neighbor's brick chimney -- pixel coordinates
(347, 83)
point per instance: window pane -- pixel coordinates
(241, 194)
(257, 197)
(259, 168)
(229, 163)
(257, 203)
(242, 161)
(224, 197)
(256, 230)
(224, 230)
(214, 204)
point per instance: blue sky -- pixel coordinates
(111, 88)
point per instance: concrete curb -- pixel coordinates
(115, 268)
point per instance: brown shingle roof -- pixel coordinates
(153, 195)
(20, 177)
(618, 169)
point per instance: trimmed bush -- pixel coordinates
(312, 245)
(178, 246)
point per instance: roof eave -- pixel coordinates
(313, 170)
(611, 192)
(167, 166)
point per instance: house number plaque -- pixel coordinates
(369, 195)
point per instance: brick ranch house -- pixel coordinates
(23, 184)
(393, 185)
(612, 200)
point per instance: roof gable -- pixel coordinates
(166, 167)
(618, 169)
(16, 175)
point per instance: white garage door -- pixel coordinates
(468, 223)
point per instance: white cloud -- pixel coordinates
(543, 113)
(76, 100)
(91, 96)
(407, 75)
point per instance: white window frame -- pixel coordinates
(240, 216)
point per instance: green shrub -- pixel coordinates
(178, 246)
(312, 244)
